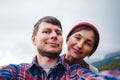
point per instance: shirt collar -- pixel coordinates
(60, 62)
(82, 64)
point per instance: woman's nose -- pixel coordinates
(80, 44)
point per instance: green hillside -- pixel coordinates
(110, 62)
(110, 66)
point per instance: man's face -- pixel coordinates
(48, 40)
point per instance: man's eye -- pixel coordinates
(46, 32)
(58, 33)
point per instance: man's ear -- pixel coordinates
(33, 39)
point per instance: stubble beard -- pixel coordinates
(49, 54)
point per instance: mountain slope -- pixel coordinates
(110, 62)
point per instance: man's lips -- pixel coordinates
(53, 44)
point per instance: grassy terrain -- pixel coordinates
(110, 62)
(110, 66)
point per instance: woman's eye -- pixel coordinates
(89, 44)
(77, 38)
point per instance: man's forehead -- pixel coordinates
(45, 25)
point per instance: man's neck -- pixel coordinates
(46, 61)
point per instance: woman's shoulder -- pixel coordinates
(93, 68)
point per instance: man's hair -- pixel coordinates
(47, 19)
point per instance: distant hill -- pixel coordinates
(110, 62)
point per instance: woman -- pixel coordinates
(82, 41)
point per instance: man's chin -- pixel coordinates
(50, 53)
(54, 51)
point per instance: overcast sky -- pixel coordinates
(17, 18)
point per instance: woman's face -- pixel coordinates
(80, 44)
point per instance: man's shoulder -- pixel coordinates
(12, 71)
(18, 66)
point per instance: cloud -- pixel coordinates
(7, 58)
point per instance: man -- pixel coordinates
(47, 65)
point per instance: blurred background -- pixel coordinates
(17, 18)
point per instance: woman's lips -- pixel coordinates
(77, 51)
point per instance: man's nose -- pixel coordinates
(54, 35)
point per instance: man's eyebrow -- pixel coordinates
(59, 30)
(47, 29)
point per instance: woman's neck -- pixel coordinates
(70, 60)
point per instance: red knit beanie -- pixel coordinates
(91, 26)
